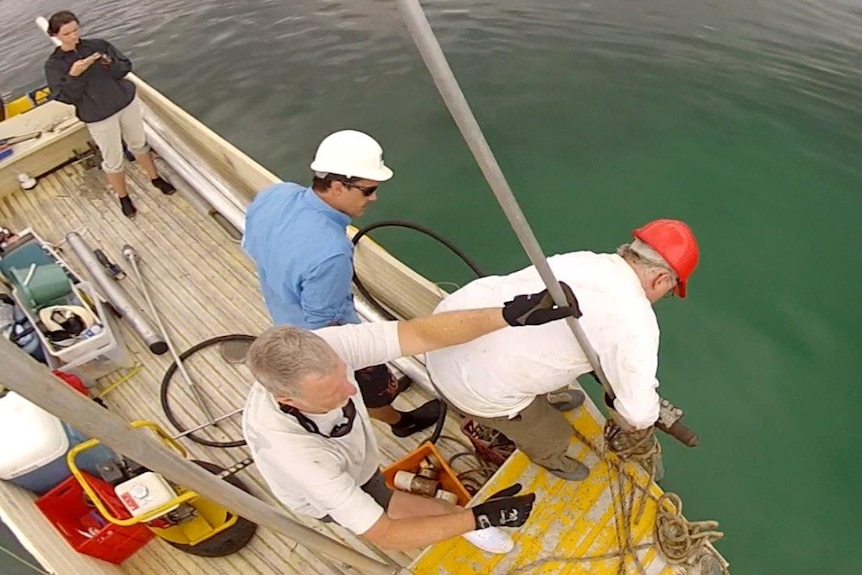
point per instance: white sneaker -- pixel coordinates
(490, 540)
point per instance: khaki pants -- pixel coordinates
(539, 430)
(126, 125)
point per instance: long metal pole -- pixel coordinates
(34, 382)
(132, 256)
(454, 98)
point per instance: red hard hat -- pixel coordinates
(676, 243)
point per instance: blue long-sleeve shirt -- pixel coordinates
(304, 258)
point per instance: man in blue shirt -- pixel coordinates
(297, 237)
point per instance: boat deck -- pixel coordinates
(203, 286)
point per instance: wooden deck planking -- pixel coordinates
(203, 285)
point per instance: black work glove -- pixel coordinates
(504, 509)
(539, 308)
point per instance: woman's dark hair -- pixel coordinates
(58, 20)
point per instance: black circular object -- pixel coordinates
(166, 382)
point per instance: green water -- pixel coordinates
(741, 118)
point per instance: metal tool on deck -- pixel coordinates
(115, 270)
(132, 257)
(58, 125)
(12, 140)
(115, 294)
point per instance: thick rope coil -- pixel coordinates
(684, 542)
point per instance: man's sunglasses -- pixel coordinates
(367, 191)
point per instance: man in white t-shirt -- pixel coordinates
(501, 380)
(311, 437)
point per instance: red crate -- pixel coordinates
(495, 451)
(80, 523)
(72, 381)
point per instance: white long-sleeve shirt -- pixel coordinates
(317, 475)
(501, 373)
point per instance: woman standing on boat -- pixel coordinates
(91, 74)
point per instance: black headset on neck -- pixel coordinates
(340, 430)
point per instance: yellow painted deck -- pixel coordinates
(571, 521)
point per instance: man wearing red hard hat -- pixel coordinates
(518, 383)
(674, 241)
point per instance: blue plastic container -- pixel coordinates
(29, 342)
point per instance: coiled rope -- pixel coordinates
(682, 542)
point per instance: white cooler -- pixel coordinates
(34, 443)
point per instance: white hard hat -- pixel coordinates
(351, 154)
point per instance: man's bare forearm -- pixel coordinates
(418, 532)
(428, 333)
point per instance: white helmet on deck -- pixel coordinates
(351, 154)
(65, 323)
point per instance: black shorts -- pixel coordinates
(376, 488)
(378, 385)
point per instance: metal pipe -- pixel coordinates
(187, 171)
(454, 98)
(116, 294)
(447, 84)
(34, 382)
(186, 151)
(132, 257)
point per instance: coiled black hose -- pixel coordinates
(441, 419)
(172, 369)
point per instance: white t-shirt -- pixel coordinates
(501, 373)
(316, 475)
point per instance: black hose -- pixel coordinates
(441, 418)
(419, 228)
(172, 369)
